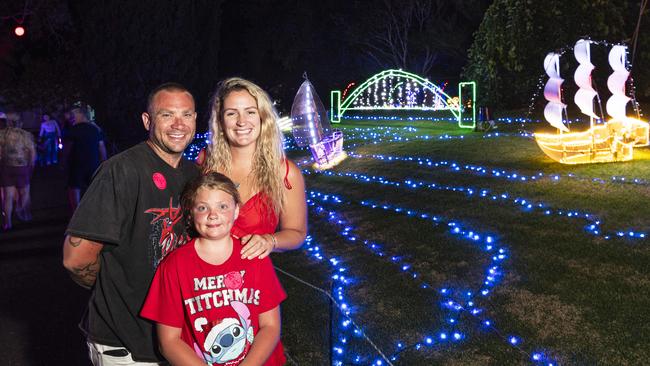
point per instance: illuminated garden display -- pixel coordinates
(484, 230)
(311, 127)
(493, 250)
(610, 141)
(400, 90)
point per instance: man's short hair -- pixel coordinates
(82, 107)
(169, 87)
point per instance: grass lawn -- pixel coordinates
(567, 288)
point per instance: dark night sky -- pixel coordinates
(111, 53)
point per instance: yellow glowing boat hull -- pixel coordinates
(609, 142)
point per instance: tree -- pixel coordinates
(126, 48)
(416, 35)
(39, 67)
(511, 43)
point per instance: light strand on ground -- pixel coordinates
(454, 167)
(348, 327)
(593, 227)
(468, 303)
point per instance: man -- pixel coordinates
(48, 137)
(17, 157)
(127, 221)
(84, 149)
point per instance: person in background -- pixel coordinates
(246, 146)
(3, 125)
(245, 331)
(49, 136)
(67, 122)
(125, 224)
(83, 151)
(18, 157)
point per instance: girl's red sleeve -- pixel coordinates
(164, 302)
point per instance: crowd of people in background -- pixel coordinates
(17, 161)
(75, 144)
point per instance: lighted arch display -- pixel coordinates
(400, 90)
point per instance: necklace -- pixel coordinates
(238, 184)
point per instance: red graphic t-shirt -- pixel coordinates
(217, 307)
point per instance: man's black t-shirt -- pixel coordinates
(84, 156)
(132, 208)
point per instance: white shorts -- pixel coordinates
(98, 356)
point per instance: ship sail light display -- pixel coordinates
(584, 97)
(553, 92)
(612, 141)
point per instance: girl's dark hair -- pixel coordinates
(212, 180)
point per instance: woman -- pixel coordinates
(17, 156)
(246, 146)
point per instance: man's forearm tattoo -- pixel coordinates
(75, 242)
(86, 276)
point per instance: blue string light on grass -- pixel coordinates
(495, 172)
(382, 134)
(594, 224)
(505, 120)
(375, 135)
(454, 300)
(347, 232)
(346, 329)
(527, 205)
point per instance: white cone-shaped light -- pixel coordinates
(310, 122)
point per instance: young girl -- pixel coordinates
(210, 305)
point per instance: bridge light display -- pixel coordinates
(400, 90)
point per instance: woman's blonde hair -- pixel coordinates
(268, 158)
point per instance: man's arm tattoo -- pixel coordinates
(86, 276)
(75, 242)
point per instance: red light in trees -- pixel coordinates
(20, 31)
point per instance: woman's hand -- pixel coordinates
(257, 246)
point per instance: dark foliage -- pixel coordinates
(126, 48)
(507, 55)
(37, 69)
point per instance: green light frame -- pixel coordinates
(341, 108)
(335, 106)
(461, 123)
